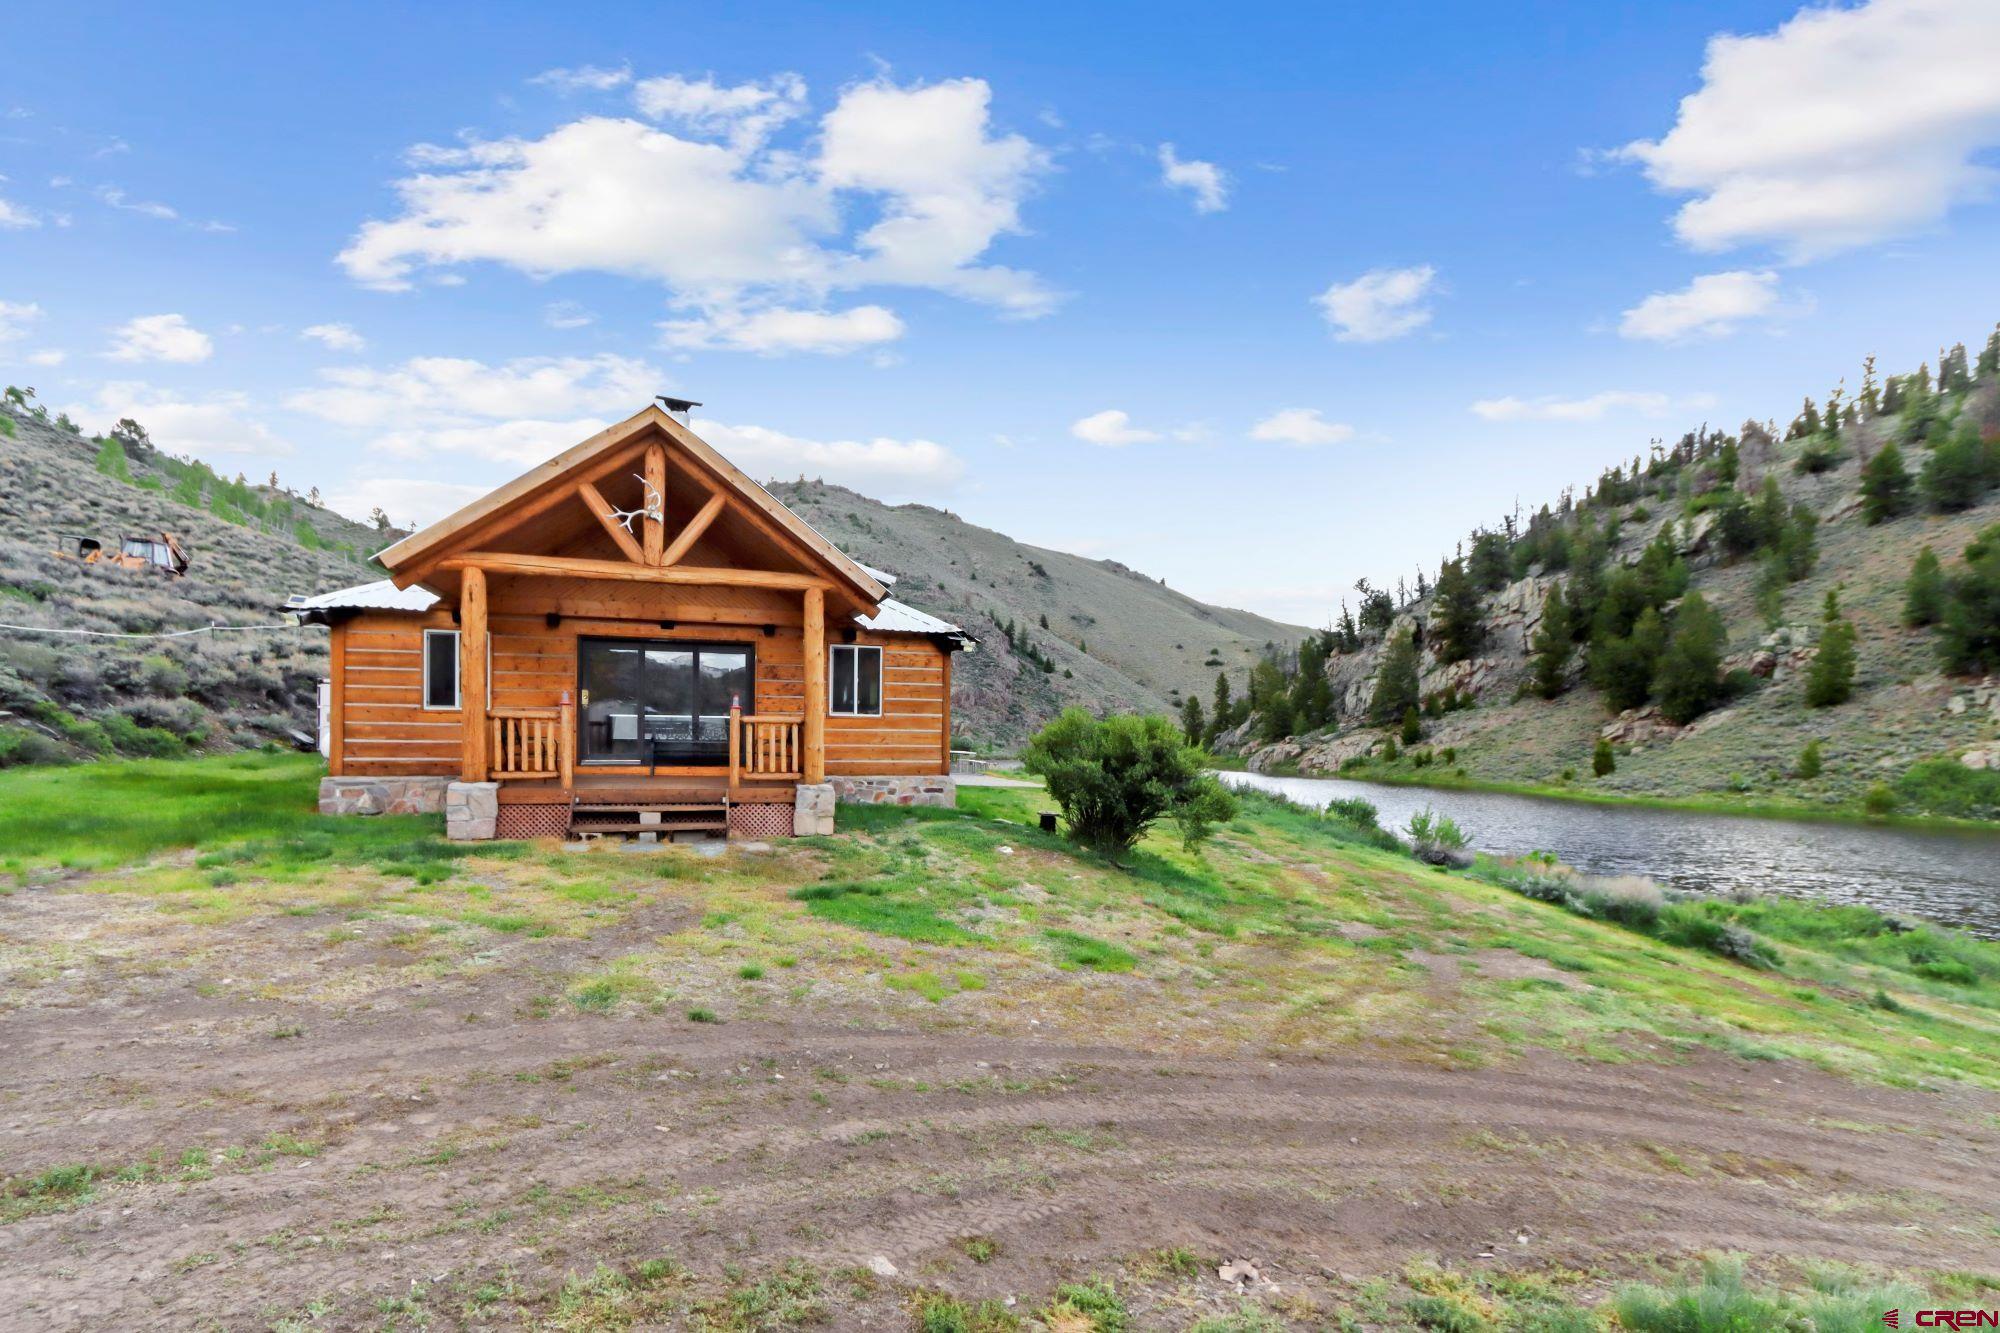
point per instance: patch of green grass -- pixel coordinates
(885, 907)
(1077, 950)
(51, 1191)
(939, 1313)
(1095, 1304)
(702, 1016)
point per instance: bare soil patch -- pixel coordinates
(346, 1134)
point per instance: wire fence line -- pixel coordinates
(210, 628)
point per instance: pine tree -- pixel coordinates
(1969, 628)
(1831, 679)
(1798, 544)
(1623, 665)
(1810, 762)
(1219, 716)
(1959, 470)
(1728, 461)
(1989, 356)
(1870, 399)
(1689, 676)
(1806, 424)
(1396, 682)
(1553, 640)
(1954, 376)
(1193, 725)
(1924, 594)
(1602, 762)
(1885, 485)
(1456, 622)
(1413, 727)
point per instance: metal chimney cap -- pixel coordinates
(680, 405)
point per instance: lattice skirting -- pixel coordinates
(760, 821)
(532, 821)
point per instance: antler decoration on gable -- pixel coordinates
(655, 507)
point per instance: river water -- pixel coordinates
(1948, 876)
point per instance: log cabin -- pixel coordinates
(632, 638)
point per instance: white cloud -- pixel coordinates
(1712, 305)
(723, 219)
(518, 413)
(443, 391)
(160, 338)
(584, 78)
(775, 330)
(48, 356)
(114, 197)
(1382, 303)
(205, 426)
(13, 217)
(745, 114)
(1302, 426)
(567, 315)
(1593, 408)
(882, 467)
(1844, 126)
(1112, 429)
(1206, 182)
(336, 337)
(405, 499)
(15, 317)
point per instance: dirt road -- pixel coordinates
(453, 1147)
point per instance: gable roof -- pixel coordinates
(416, 551)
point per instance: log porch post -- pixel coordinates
(472, 674)
(815, 663)
(655, 534)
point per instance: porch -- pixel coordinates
(538, 792)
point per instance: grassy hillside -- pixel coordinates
(249, 548)
(1905, 710)
(1117, 640)
(942, 1071)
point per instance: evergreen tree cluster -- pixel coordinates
(1024, 647)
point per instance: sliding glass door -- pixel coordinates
(655, 702)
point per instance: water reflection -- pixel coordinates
(1947, 876)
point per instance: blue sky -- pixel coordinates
(1398, 266)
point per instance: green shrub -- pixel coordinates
(128, 737)
(1879, 800)
(1947, 787)
(1114, 778)
(1809, 760)
(1602, 762)
(1700, 925)
(1924, 593)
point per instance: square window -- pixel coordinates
(440, 668)
(854, 682)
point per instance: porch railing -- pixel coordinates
(531, 743)
(766, 746)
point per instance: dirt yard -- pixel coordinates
(296, 1127)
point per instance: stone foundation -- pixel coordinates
(928, 789)
(812, 810)
(382, 796)
(471, 811)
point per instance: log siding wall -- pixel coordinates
(381, 728)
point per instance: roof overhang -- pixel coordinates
(415, 558)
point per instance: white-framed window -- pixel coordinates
(854, 684)
(441, 669)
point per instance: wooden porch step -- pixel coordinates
(680, 826)
(637, 807)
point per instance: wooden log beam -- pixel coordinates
(472, 674)
(815, 673)
(600, 509)
(493, 525)
(618, 571)
(656, 524)
(685, 539)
